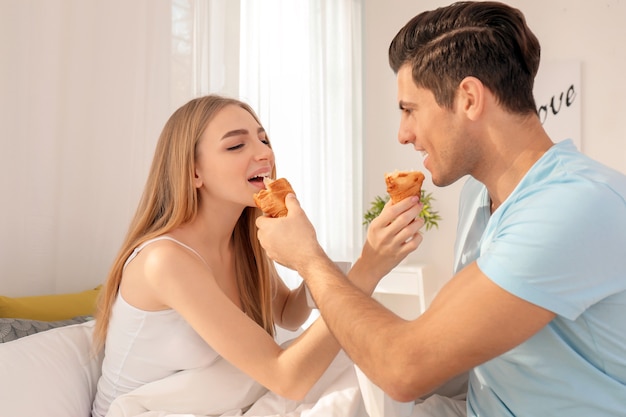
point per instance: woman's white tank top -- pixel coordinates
(144, 346)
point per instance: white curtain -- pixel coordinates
(298, 64)
(300, 68)
(205, 49)
(85, 92)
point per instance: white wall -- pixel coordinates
(84, 93)
(48, 244)
(590, 32)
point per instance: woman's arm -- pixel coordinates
(380, 254)
(173, 277)
(290, 307)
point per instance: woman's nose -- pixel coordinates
(263, 151)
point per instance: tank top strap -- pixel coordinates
(163, 237)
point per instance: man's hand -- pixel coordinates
(289, 240)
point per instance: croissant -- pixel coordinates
(272, 200)
(403, 184)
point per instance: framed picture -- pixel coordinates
(558, 97)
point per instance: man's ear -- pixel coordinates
(471, 97)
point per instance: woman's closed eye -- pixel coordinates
(234, 148)
(263, 140)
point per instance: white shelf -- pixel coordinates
(403, 280)
(403, 291)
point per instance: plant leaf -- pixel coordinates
(430, 216)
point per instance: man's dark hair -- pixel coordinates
(487, 40)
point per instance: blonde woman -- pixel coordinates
(191, 281)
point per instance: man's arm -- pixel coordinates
(470, 321)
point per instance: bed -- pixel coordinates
(50, 371)
(54, 374)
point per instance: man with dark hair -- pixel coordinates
(535, 311)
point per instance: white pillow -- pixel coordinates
(52, 373)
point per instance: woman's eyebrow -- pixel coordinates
(238, 132)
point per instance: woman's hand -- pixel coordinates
(391, 237)
(291, 240)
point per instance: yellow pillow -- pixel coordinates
(50, 307)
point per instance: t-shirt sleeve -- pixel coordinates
(561, 247)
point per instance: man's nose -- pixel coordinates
(405, 136)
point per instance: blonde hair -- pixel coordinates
(170, 200)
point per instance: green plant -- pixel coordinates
(430, 216)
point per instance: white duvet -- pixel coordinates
(199, 393)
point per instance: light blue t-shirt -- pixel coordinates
(558, 241)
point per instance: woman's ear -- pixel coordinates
(471, 97)
(197, 181)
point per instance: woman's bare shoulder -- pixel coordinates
(161, 269)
